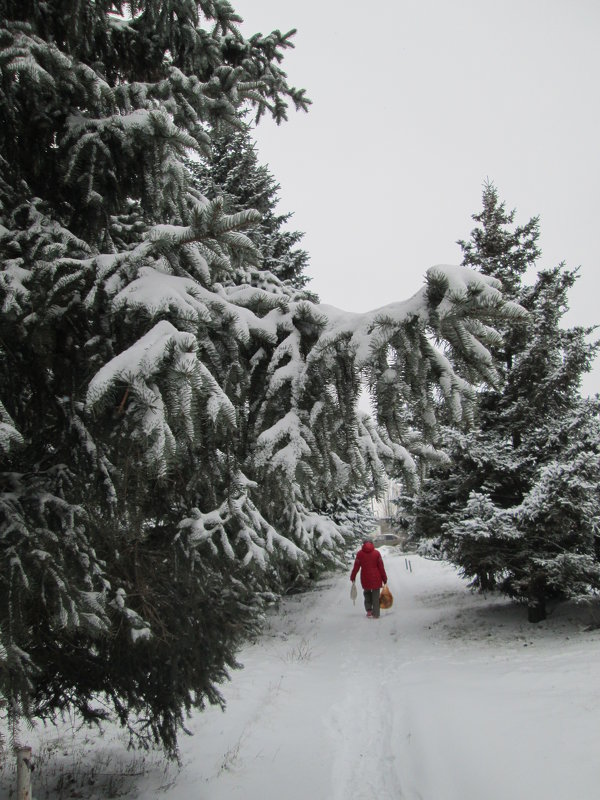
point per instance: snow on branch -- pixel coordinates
(368, 331)
(10, 438)
(290, 431)
(158, 292)
(237, 528)
(140, 361)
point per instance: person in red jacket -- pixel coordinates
(372, 576)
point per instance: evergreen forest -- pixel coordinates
(180, 437)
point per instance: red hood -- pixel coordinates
(368, 547)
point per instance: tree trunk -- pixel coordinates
(536, 598)
(23, 754)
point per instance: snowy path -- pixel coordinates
(448, 696)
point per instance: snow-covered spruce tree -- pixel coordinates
(110, 412)
(549, 426)
(505, 251)
(233, 171)
(174, 419)
(529, 429)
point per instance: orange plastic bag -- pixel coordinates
(386, 598)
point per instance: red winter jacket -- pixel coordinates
(370, 564)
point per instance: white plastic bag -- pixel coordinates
(353, 593)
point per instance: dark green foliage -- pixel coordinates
(498, 250)
(233, 172)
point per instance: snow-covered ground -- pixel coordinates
(449, 695)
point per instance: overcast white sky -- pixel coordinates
(415, 104)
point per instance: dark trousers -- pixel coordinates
(372, 600)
